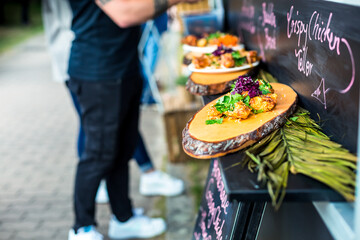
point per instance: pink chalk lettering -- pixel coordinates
(268, 14)
(261, 46)
(343, 40)
(197, 235)
(304, 66)
(317, 30)
(214, 212)
(202, 224)
(220, 186)
(248, 26)
(320, 93)
(248, 11)
(323, 34)
(270, 41)
(296, 27)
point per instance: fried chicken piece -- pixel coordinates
(241, 111)
(189, 40)
(251, 56)
(213, 113)
(264, 102)
(214, 41)
(227, 60)
(201, 42)
(202, 61)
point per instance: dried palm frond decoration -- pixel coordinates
(301, 147)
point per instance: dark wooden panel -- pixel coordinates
(313, 46)
(242, 185)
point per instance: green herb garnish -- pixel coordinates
(257, 111)
(227, 102)
(214, 35)
(214, 121)
(239, 60)
(247, 100)
(264, 86)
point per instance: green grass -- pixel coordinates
(13, 32)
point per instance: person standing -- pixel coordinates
(57, 17)
(105, 77)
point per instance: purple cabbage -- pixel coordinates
(246, 84)
(222, 50)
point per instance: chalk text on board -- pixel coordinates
(203, 233)
(270, 41)
(212, 219)
(266, 29)
(304, 65)
(319, 30)
(300, 29)
(248, 11)
(220, 186)
(268, 16)
(214, 212)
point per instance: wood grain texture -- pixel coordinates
(207, 141)
(204, 84)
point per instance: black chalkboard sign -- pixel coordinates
(216, 216)
(313, 46)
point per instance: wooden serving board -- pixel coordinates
(207, 141)
(204, 84)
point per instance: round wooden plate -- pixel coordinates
(208, 141)
(208, 49)
(204, 84)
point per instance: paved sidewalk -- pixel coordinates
(37, 154)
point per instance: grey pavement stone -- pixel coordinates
(7, 235)
(38, 128)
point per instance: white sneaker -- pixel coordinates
(85, 233)
(102, 194)
(159, 183)
(138, 226)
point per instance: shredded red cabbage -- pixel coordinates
(222, 50)
(247, 84)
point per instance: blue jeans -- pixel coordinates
(140, 155)
(151, 51)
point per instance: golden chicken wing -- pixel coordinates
(251, 56)
(201, 61)
(241, 111)
(227, 60)
(264, 103)
(201, 42)
(214, 41)
(189, 40)
(213, 113)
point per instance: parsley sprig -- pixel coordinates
(215, 35)
(239, 60)
(264, 86)
(213, 121)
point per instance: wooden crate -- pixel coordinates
(178, 111)
(191, 8)
(175, 122)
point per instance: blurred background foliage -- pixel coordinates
(19, 20)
